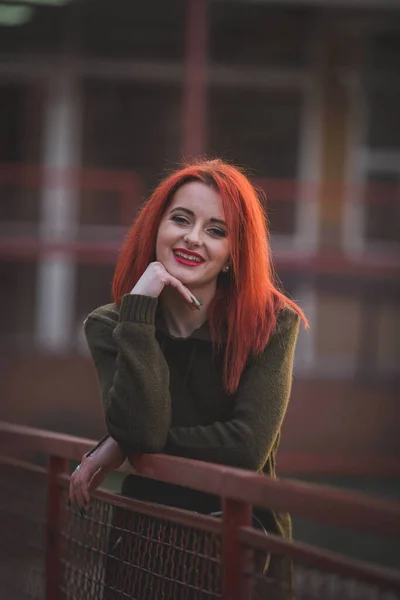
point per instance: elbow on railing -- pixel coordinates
(136, 440)
(249, 460)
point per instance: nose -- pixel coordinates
(193, 238)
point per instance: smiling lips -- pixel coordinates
(185, 257)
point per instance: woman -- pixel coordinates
(195, 356)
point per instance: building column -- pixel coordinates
(339, 53)
(195, 79)
(55, 300)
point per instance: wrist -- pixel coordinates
(138, 309)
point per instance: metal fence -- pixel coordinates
(122, 548)
(117, 552)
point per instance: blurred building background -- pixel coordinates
(99, 99)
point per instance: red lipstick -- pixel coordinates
(187, 258)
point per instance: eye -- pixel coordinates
(180, 220)
(218, 232)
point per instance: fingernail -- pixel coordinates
(196, 302)
(200, 302)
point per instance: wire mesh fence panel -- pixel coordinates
(313, 582)
(115, 553)
(23, 502)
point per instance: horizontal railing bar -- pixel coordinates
(316, 502)
(288, 462)
(337, 466)
(17, 438)
(151, 509)
(318, 558)
(22, 464)
(27, 176)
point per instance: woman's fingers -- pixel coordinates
(183, 290)
(154, 279)
(152, 282)
(79, 486)
(93, 469)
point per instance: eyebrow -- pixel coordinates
(191, 213)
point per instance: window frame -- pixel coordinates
(363, 161)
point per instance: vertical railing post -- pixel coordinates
(235, 515)
(56, 466)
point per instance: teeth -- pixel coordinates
(188, 257)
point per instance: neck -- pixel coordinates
(181, 320)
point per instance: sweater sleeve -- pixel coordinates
(260, 404)
(132, 373)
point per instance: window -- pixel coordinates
(21, 119)
(132, 129)
(42, 32)
(262, 129)
(17, 305)
(338, 333)
(136, 30)
(262, 113)
(388, 339)
(374, 203)
(382, 198)
(256, 35)
(354, 328)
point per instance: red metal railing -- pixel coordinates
(124, 548)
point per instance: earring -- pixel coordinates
(225, 269)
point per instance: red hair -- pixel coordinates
(244, 310)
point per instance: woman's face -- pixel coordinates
(192, 240)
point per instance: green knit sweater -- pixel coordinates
(164, 394)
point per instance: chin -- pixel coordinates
(187, 276)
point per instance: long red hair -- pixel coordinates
(243, 312)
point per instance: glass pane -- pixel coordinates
(338, 344)
(17, 306)
(384, 50)
(243, 34)
(21, 122)
(260, 129)
(41, 31)
(256, 128)
(388, 346)
(382, 207)
(144, 30)
(384, 118)
(382, 90)
(134, 130)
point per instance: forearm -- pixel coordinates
(107, 453)
(133, 375)
(138, 407)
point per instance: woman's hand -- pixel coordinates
(155, 278)
(92, 471)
